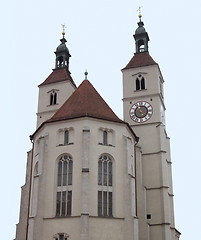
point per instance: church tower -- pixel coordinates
(144, 110)
(80, 179)
(91, 175)
(58, 86)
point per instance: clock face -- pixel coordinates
(141, 112)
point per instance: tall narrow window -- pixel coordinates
(105, 136)
(140, 82)
(64, 186)
(66, 137)
(105, 186)
(53, 98)
(137, 84)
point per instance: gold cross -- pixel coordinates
(139, 10)
(63, 26)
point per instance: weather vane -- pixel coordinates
(139, 10)
(63, 26)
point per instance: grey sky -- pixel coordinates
(99, 35)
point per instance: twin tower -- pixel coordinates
(91, 175)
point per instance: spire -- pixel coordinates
(62, 53)
(141, 36)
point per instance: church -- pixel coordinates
(91, 175)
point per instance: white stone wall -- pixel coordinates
(45, 111)
(85, 150)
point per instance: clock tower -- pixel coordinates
(144, 110)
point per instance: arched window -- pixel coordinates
(53, 98)
(64, 186)
(141, 46)
(104, 186)
(137, 84)
(60, 60)
(140, 82)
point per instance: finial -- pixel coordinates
(86, 73)
(63, 26)
(139, 10)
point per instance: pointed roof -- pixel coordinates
(85, 102)
(58, 75)
(140, 60)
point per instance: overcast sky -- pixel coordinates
(100, 39)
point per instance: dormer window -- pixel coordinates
(140, 82)
(53, 98)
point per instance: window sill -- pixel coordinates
(140, 90)
(68, 216)
(61, 145)
(109, 217)
(90, 216)
(36, 175)
(107, 145)
(52, 105)
(105, 216)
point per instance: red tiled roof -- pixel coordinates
(85, 102)
(58, 75)
(140, 60)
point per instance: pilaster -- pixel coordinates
(84, 235)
